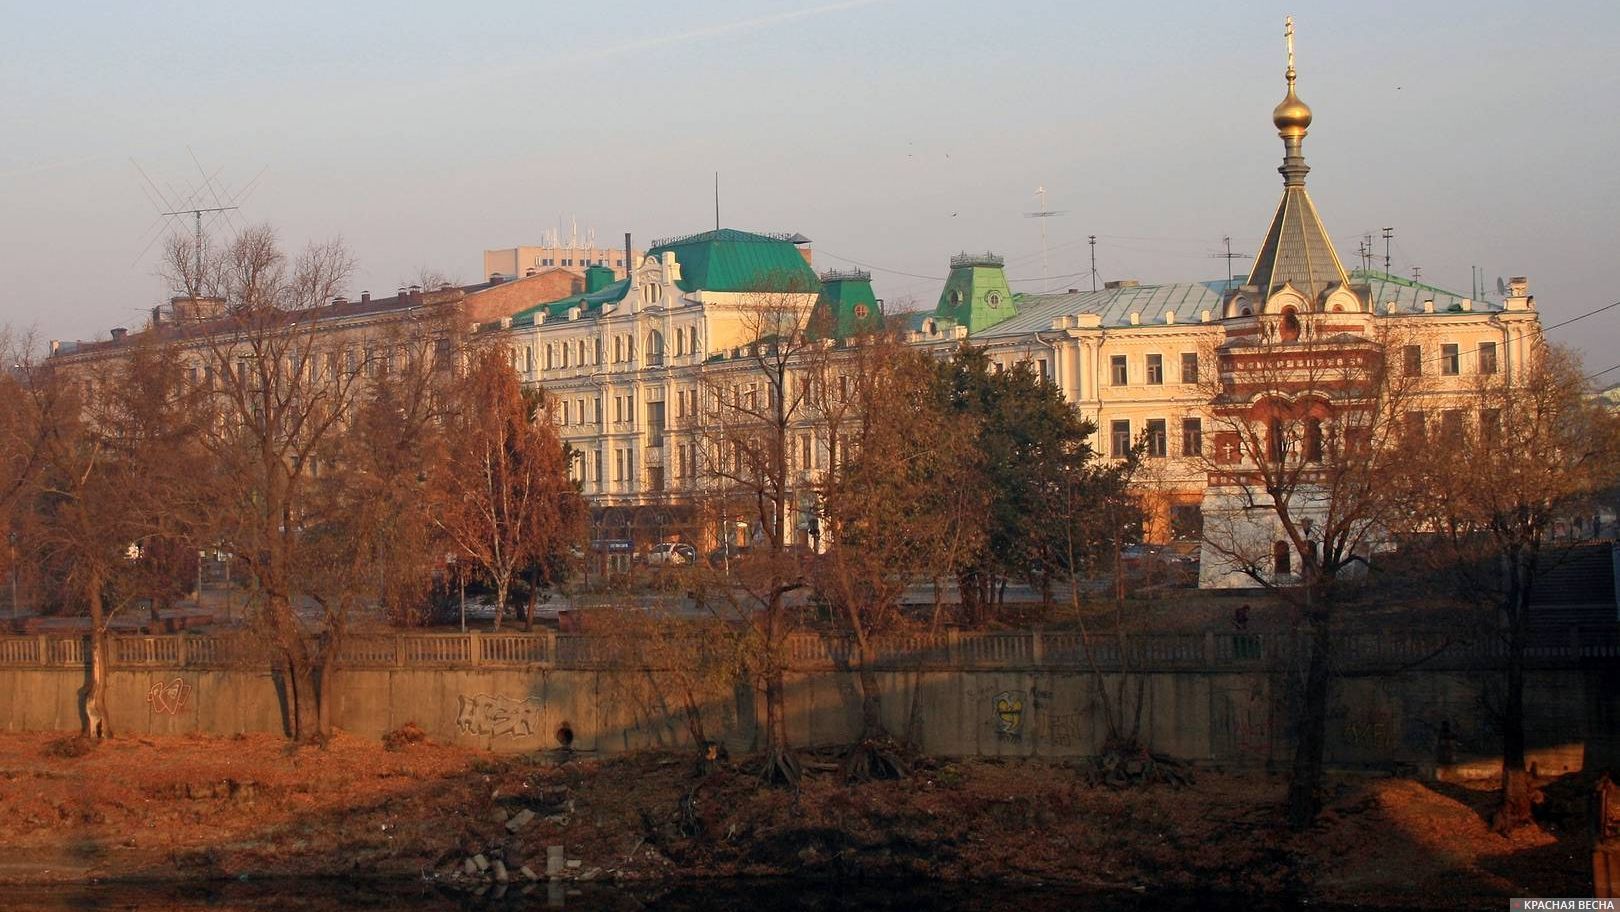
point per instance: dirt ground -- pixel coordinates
(205, 808)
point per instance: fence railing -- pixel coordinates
(1030, 650)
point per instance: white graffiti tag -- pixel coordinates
(497, 716)
(169, 697)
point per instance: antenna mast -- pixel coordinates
(1093, 240)
(1229, 256)
(1042, 213)
(1388, 234)
(197, 215)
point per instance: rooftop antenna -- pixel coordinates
(1093, 241)
(173, 204)
(1229, 256)
(197, 215)
(1042, 213)
(1365, 251)
(1389, 233)
(1417, 273)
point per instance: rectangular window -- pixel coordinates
(1155, 368)
(1451, 425)
(1277, 442)
(1040, 367)
(565, 412)
(1156, 444)
(1119, 439)
(1313, 440)
(1450, 361)
(1412, 357)
(598, 411)
(1487, 357)
(1192, 436)
(655, 424)
(805, 457)
(655, 478)
(598, 477)
(1189, 367)
(1415, 429)
(1186, 522)
(1120, 375)
(1490, 428)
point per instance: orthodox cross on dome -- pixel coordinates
(1288, 34)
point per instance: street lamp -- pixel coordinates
(450, 562)
(12, 538)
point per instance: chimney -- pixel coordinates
(339, 299)
(365, 296)
(402, 290)
(157, 315)
(416, 290)
(627, 254)
(1074, 291)
(496, 278)
(119, 333)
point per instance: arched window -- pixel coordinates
(551, 356)
(618, 348)
(680, 342)
(565, 354)
(655, 348)
(1282, 565)
(1289, 327)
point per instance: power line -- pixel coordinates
(1603, 371)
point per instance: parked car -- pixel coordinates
(671, 554)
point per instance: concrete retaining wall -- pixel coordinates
(1232, 717)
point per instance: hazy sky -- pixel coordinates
(892, 132)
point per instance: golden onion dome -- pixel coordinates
(1292, 116)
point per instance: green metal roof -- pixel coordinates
(847, 307)
(730, 260)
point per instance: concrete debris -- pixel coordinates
(481, 862)
(500, 872)
(528, 873)
(575, 863)
(520, 820)
(469, 867)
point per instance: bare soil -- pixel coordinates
(210, 808)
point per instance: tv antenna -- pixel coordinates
(1042, 213)
(1092, 239)
(210, 197)
(1389, 234)
(1229, 256)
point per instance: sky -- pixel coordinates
(893, 133)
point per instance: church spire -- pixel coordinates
(1297, 250)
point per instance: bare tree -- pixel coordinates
(502, 495)
(1307, 428)
(278, 387)
(888, 503)
(1523, 451)
(119, 452)
(754, 407)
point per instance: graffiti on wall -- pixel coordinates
(1061, 729)
(1009, 707)
(497, 716)
(169, 698)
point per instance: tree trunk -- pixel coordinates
(1518, 792)
(1305, 787)
(303, 714)
(96, 723)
